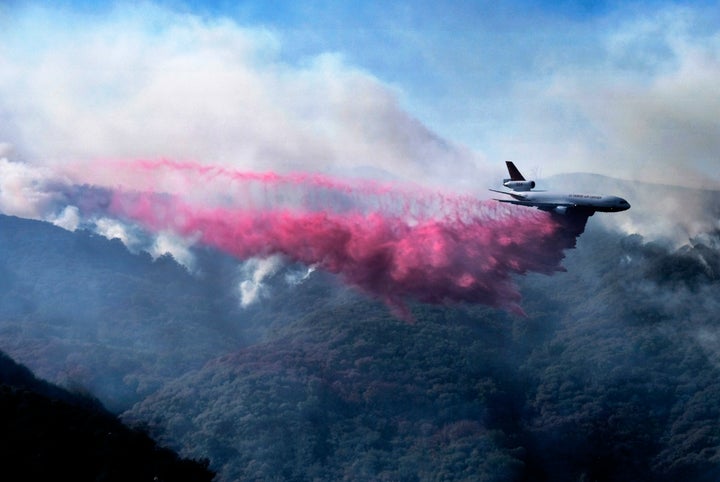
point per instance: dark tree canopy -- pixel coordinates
(613, 375)
(51, 434)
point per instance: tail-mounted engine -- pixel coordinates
(518, 185)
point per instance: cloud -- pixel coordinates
(635, 98)
(645, 109)
(146, 82)
(632, 96)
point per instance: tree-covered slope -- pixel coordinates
(83, 311)
(612, 376)
(352, 393)
(50, 434)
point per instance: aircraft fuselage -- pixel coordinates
(587, 204)
(607, 204)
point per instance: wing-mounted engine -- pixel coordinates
(518, 185)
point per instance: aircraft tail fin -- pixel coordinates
(514, 172)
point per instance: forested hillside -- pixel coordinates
(84, 311)
(49, 433)
(613, 375)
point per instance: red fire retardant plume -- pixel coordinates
(450, 250)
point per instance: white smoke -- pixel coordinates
(177, 247)
(114, 229)
(642, 107)
(256, 271)
(147, 82)
(296, 277)
(69, 218)
(27, 191)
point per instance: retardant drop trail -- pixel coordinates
(396, 245)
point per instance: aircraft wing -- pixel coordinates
(522, 200)
(559, 208)
(539, 205)
(516, 195)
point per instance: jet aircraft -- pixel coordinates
(568, 204)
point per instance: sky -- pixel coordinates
(440, 93)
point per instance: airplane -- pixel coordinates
(568, 204)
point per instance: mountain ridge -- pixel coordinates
(318, 381)
(48, 432)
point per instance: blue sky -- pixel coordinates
(449, 60)
(447, 90)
